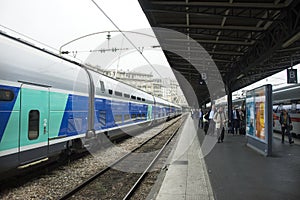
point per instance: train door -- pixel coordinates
(34, 115)
(149, 112)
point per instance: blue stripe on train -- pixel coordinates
(75, 118)
(6, 108)
(106, 110)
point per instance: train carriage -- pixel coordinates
(49, 104)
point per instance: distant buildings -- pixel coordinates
(165, 88)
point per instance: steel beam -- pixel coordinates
(208, 4)
(215, 27)
(208, 14)
(225, 42)
(274, 38)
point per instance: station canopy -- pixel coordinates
(247, 40)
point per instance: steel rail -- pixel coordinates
(98, 174)
(141, 178)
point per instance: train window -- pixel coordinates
(126, 117)
(297, 108)
(275, 108)
(118, 93)
(144, 116)
(110, 91)
(118, 119)
(139, 115)
(133, 97)
(102, 86)
(126, 95)
(102, 117)
(280, 107)
(139, 98)
(287, 107)
(6, 95)
(143, 99)
(133, 116)
(33, 124)
(294, 107)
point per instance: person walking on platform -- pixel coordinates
(206, 122)
(220, 119)
(242, 129)
(211, 122)
(285, 122)
(192, 113)
(200, 118)
(235, 121)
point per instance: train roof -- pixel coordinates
(288, 87)
(80, 66)
(25, 63)
(288, 93)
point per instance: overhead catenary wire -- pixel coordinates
(37, 43)
(30, 38)
(101, 10)
(104, 50)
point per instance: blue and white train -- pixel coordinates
(49, 104)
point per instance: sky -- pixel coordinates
(57, 22)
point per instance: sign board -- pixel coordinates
(202, 78)
(292, 76)
(259, 127)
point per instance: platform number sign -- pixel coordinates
(292, 76)
(202, 78)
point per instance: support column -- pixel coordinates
(229, 108)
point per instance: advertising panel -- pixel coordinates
(250, 114)
(255, 113)
(260, 101)
(259, 119)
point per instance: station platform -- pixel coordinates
(229, 170)
(185, 173)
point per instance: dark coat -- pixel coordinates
(237, 114)
(206, 115)
(289, 121)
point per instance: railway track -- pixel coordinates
(121, 179)
(21, 177)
